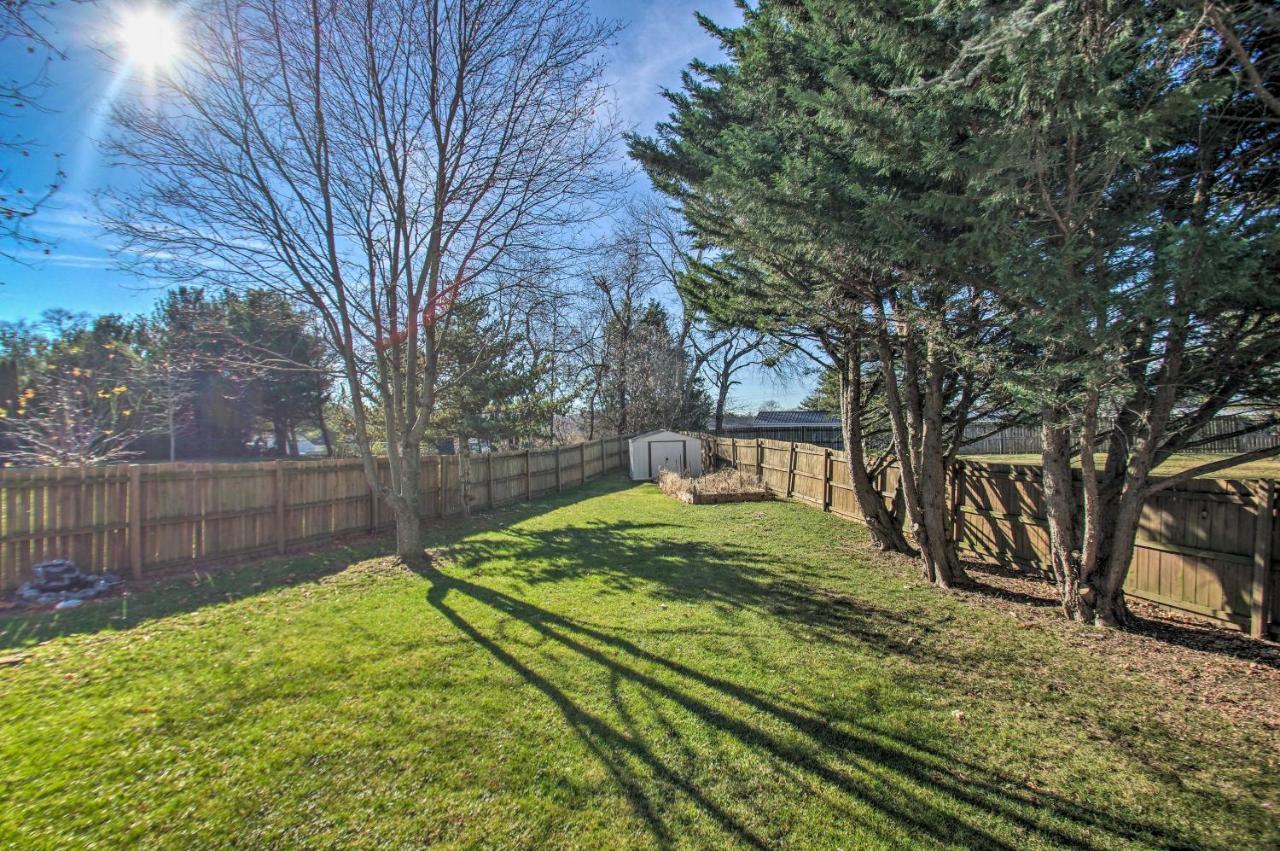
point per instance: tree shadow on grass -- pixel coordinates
(642, 558)
(922, 791)
(179, 591)
(199, 585)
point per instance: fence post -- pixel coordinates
(1258, 610)
(528, 474)
(733, 452)
(826, 479)
(760, 459)
(957, 501)
(280, 534)
(559, 484)
(582, 463)
(791, 470)
(135, 519)
(440, 507)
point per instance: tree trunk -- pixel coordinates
(324, 433)
(916, 423)
(1090, 565)
(721, 400)
(885, 529)
(405, 498)
(1116, 551)
(281, 436)
(408, 533)
(939, 548)
(173, 434)
(463, 451)
(1061, 510)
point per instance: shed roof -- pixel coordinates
(652, 432)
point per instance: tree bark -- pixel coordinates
(939, 544)
(721, 399)
(917, 437)
(1060, 511)
(405, 497)
(324, 432)
(885, 529)
(409, 533)
(281, 438)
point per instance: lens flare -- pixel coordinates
(150, 38)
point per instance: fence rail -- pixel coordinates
(1208, 546)
(132, 518)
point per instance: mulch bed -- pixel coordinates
(1221, 668)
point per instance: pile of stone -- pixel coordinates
(60, 582)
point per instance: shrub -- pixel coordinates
(727, 481)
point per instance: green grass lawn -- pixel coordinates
(1268, 469)
(610, 668)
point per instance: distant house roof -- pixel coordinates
(796, 418)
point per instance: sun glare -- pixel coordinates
(150, 36)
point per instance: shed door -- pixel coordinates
(666, 455)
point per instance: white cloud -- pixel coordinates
(659, 42)
(67, 216)
(56, 257)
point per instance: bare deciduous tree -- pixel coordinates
(71, 418)
(372, 160)
(24, 27)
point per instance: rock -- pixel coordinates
(59, 574)
(60, 581)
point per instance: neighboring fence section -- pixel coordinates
(1208, 546)
(818, 435)
(131, 518)
(1219, 434)
(985, 439)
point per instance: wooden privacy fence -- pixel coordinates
(1208, 546)
(131, 518)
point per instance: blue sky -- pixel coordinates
(658, 41)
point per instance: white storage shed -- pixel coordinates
(659, 450)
